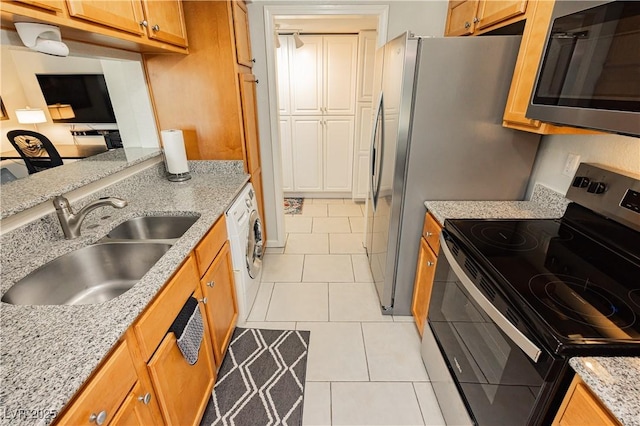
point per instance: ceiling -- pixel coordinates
(325, 25)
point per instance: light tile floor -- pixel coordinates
(363, 368)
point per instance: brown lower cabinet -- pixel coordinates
(183, 390)
(425, 270)
(145, 380)
(580, 407)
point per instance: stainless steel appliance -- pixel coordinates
(514, 299)
(438, 135)
(589, 75)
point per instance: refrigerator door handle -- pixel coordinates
(375, 153)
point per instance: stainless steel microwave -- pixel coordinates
(589, 76)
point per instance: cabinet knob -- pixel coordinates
(145, 399)
(203, 300)
(211, 283)
(467, 25)
(476, 20)
(257, 81)
(99, 418)
(428, 234)
(430, 263)
(253, 60)
(144, 23)
(156, 27)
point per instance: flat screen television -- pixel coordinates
(86, 94)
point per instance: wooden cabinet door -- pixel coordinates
(425, 272)
(183, 390)
(250, 121)
(306, 77)
(241, 31)
(286, 152)
(135, 410)
(491, 12)
(221, 305)
(581, 408)
(51, 5)
(306, 134)
(461, 17)
(125, 15)
(165, 21)
(526, 68)
(338, 153)
(105, 392)
(340, 71)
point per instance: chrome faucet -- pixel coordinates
(70, 221)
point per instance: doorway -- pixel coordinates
(296, 22)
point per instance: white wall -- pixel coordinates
(421, 17)
(621, 152)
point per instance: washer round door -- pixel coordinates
(255, 245)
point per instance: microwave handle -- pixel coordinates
(527, 346)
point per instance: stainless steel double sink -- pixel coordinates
(102, 271)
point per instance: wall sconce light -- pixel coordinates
(298, 40)
(61, 111)
(42, 38)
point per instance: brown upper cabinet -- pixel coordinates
(158, 20)
(135, 25)
(477, 17)
(241, 30)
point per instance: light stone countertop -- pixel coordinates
(32, 190)
(615, 380)
(47, 352)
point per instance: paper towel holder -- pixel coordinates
(175, 156)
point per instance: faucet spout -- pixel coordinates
(71, 222)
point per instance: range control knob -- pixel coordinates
(580, 182)
(596, 187)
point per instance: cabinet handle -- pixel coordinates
(145, 399)
(156, 27)
(203, 300)
(430, 263)
(467, 25)
(144, 23)
(99, 418)
(211, 283)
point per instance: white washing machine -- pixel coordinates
(245, 237)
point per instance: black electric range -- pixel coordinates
(577, 279)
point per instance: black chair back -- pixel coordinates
(36, 150)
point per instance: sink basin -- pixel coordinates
(152, 228)
(92, 274)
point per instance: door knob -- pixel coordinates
(145, 399)
(156, 27)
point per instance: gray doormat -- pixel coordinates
(261, 380)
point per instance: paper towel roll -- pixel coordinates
(174, 152)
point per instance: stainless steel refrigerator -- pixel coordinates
(438, 135)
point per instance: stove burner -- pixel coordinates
(584, 302)
(504, 237)
(634, 296)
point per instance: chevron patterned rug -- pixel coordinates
(261, 380)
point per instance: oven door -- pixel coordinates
(479, 353)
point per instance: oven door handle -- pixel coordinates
(526, 345)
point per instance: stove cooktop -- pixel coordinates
(578, 290)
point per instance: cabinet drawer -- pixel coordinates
(156, 320)
(210, 245)
(431, 232)
(183, 390)
(105, 392)
(581, 408)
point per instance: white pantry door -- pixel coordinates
(338, 153)
(307, 150)
(340, 64)
(305, 68)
